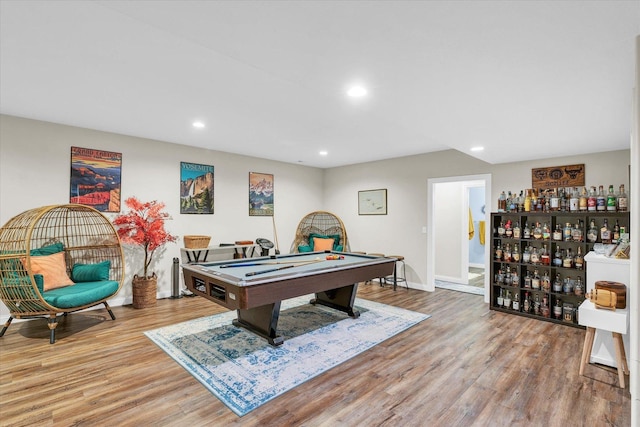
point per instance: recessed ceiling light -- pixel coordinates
(477, 149)
(323, 153)
(356, 91)
(198, 125)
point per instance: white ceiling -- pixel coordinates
(526, 80)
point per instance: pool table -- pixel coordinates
(255, 287)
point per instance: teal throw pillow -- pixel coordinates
(303, 249)
(335, 237)
(47, 250)
(91, 272)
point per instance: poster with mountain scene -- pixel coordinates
(260, 194)
(196, 188)
(95, 178)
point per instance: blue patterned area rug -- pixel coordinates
(244, 371)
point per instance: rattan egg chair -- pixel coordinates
(40, 246)
(320, 223)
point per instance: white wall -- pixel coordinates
(35, 171)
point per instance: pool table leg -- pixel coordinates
(341, 299)
(262, 321)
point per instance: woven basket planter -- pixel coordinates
(144, 291)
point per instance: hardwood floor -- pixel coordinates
(465, 366)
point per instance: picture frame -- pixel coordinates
(372, 202)
(261, 194)
(95, 178)
(197, 184)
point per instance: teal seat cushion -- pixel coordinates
(47, 250)
(80, 294)
(17, 283)
(91, 272)
(335, 237)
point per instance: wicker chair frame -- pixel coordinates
(88, 237)
(320, 222)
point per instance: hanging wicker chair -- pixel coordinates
(320, 223)
(91, 255)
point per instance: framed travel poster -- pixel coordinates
(196, 188)
(260, 194)
(95, 178)
(372, 202)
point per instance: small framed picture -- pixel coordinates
(260, 194)
(372, 202)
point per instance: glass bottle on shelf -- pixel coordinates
(576, 232)
(500, 299)
(506, 253)
(526, 231)
(517, 231)
(601, 200)
(500, 276)
(535, 255)
(592, 200)
(515, 254)
(567, 232)
(501, 229)
(535, 280)
(527, 280)
(515, 302)
(527, 201)
(537, 231)
(507, 277)
(605, 232)
(515, 278)
(544, 307)
(574, 200)
(502, 202)
(578, 261)
(507, 300)
(567, 262)
(526, 303)
(557, 258)
(526, 255)
(557, 283)
(557, 233)
(562, 199)
(545, 282)
(622, 200)
(567, 286)
(583, 201)
(498, 252)
(554, 201)
(611, 200)
(508, 229)
(615, 235)
(536, 304)
(592, 233)
(578, 288)
(545, 257)
(546, 232)
(557, 309)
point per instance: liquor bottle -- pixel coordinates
(535, 280)
(507, 300)
(509, 205)
(578, 261)
(515, 255)
(557, 258)
(506, 253)
(545, 282)
(576, 232)
(557, 233)
(567, 262)
(574, 200)
(601, 200)
(557, 283)
(622, 200)
(508, 230)
(592, 234)
(567, 286)
(502, 202)
(500, 299)
(611, 200)
(507, 277)
(563, 200)
(515, 278)
(557, 309)
(535, 255)
(546, 231)
(536, 304)
(526, 304)
(515, 302)
(498, 254)
(527, 201)
(592, 200)
(501, 230)
(583, 201)
(605, 232)
(554, 201)
(527, 280)
(544, 307)
(526, 255)
(517, 231)
(500, 276)
(616, 232)
(537, 231)
(545, 257)
(567, 232)
(578, 289)
(526, 231)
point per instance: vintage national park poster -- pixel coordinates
(260, 194)
(196, 188)
(95, 178)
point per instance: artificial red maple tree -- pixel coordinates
(143, 226)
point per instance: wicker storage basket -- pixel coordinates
(196, 242)
(144, 291)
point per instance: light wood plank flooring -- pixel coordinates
(466, 366)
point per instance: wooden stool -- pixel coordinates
(395, 278)
(621, 356)
(380, 279)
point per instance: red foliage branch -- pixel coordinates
(143, 226)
